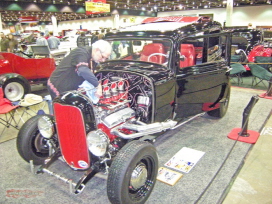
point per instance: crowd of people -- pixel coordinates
(85, 38)
(8, 43)
(11, 43)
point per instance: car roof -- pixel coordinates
(163, 26)
(168, 23)
(166, 27)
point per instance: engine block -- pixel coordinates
(123, 90)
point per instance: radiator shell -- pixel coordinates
(72, 135)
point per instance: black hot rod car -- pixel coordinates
(160, 72)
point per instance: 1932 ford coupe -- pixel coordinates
(160, 72)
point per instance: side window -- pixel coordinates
(191, 52)
(214, 51)
(202, 49)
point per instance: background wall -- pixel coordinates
(97, 23)
(257, 15)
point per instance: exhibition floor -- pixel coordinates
(229, 171)
(253, 183)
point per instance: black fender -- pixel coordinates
(5, 78)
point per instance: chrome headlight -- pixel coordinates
(97, 142)
(46, 127)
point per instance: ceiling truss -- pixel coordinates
(146, 5)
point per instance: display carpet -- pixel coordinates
(207, 182)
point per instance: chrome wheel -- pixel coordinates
(14, 91)
(138, 177)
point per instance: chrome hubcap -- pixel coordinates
(14, 91)
(139, 176)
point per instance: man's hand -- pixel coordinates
(98, 92)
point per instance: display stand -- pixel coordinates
(243, 134)
(268, 94)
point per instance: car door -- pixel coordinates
(201, 72)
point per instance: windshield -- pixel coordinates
(154, 51)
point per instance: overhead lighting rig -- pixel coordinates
(144, 5)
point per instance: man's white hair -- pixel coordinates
(102, 45)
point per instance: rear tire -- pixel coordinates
(133, 173)
(222, 110)
(14, 90)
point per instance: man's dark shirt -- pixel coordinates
(73, 70)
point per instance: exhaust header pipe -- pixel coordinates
(143, 129)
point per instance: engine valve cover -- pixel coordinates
(118, 117)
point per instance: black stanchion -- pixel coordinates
(269, 90)
(243, 134)
(268, 93)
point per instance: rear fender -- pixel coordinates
(5, 66)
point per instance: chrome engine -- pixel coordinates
(123, 115)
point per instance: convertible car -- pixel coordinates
(161, 73)
(18, 73)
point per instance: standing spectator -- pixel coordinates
(31, 39)
(53, 42)
(101, 35)
(82, 40)
(95, 36)
(41, 40)
(13, 43)
(249, 26)
(4, 43)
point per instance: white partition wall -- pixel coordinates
(257, 15)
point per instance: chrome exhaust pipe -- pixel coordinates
(143, 129)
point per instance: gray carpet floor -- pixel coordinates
(206, 183)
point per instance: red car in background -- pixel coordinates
(18, 73)
(249, 43)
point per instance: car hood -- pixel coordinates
(154, 71)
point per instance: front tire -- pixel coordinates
(133, 173)
(31, 145)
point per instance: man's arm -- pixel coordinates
(88, 75)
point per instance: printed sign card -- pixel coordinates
(168, 176)
(185, 159)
